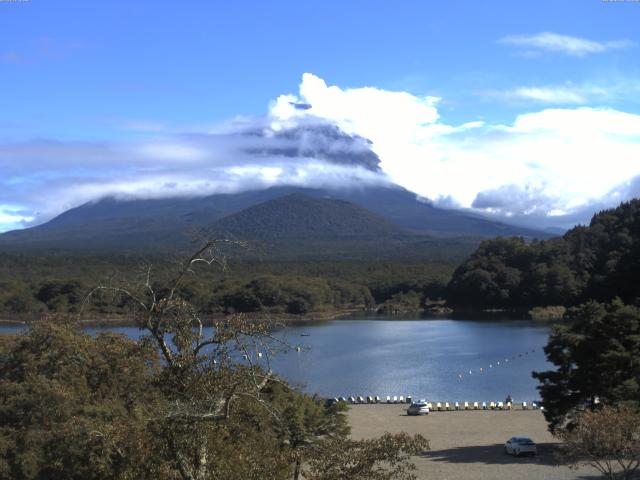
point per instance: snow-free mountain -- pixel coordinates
(360, 216)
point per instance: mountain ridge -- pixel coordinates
(165, 224)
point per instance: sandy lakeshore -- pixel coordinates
(469, 444)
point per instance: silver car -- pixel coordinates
(418, 408)
(517, 446)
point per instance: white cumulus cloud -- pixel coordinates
(557, 159)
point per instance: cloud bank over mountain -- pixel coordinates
(43, 178)
(550, 167)
(544, 167)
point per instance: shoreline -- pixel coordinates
(117, 321)
(312, 317)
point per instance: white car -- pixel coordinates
(418, 408)
(517, 446)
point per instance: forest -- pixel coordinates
(595, 262)
(59, 284)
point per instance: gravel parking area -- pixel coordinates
(469, 444)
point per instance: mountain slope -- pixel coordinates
(164, 224)
(300, 216)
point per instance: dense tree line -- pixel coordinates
(58, 285)
(599, 261)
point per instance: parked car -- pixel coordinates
(517, 446)
(418, 408)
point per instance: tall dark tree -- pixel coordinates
(596, 354)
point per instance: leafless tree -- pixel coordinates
(206, 369)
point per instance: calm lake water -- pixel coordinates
(423, 358)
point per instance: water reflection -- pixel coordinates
(427, 358)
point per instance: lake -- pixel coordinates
(424, 358)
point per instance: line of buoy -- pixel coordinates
(506, 360)
(440, 406)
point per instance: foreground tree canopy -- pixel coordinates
(598, 262)
(183, 402)
(597, 354)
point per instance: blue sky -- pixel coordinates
(85, 86)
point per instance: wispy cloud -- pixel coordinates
(551, 95)
(565, 44)
(41, 49)
(606, 92)
(12, 57)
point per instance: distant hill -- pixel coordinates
(600, 261)
(300, 216)
(301, 227)
(166, 224)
